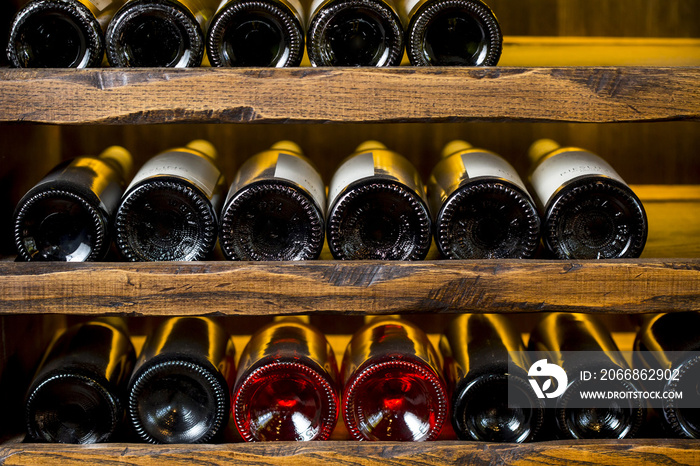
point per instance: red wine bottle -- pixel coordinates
(393, 384)
(78, 391)
(476, 349)
(287, 387)
(179, 391)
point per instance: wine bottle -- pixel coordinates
(476, 349)
(354, 33)
(159, 33)
(68, 215)
(287, 386)
(275, 208)
(377, 207)
(179, 391)
(481, 207)
(169, 211)
(579, 344)
(670, 343)
(451, 33)
(257, 33)
(60, 33)
(393, 384)
(77, 392)
(588, 210)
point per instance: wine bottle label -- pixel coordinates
(355, 168)
(553, 172)
(191, 167)
(406, 7)
(478, 164)
(315, 5)
(300, 172)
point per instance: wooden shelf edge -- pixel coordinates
(319, 95)
(338, 452)
(362, 287)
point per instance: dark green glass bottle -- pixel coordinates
(354, 33)
(451, 33)
(77, 395)
(68, 215)
(257, 33)
(60, 33)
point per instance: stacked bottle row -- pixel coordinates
(392, 384)
(175, 33)
(376, 207)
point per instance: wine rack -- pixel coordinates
(665, 278)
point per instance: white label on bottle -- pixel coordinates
(407, 6)
(298, 171)
(479, 164)
(314, 5)
(560, 168)
(355, 168)
(189, 166)
(297, 8)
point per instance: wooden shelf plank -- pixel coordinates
(653, 283)
(624, 286)
(313, 95)
(618, 452)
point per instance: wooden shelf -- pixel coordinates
(316, 95)
(653, 283)
(620, 452)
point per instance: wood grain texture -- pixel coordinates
(401, 94)
(221, 288)
(623, 452)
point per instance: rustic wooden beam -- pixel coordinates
(317, 95)
(618, 452)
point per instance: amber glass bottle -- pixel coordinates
(481, 207)
(257, 33)
(287, 387)
(78, 391)
(159, 33)
(377, 207)
(451, 32)
(179, 391)
(170, 210)
(476, 350)
(60, 33)
(588, 211)
(354, 33)
(275, 208)
(68, 215)
(671, 343)
(394, 389)
(555, 338)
